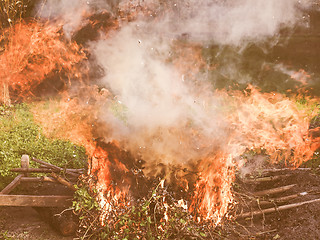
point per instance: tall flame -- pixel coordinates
(33, 50)
(160, 106)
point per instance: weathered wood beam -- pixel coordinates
(33, 170)
(284, 169)
(38, 179)
(12, 185)
(35, 201)
(42, 170)
(282, 199)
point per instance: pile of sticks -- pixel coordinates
(44, 167)
(273, 199)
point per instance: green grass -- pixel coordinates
(20, 135)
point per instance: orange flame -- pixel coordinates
(34, 50)
(273, 122)
(257, 120)
(213, 193)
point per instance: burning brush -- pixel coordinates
(164, 144)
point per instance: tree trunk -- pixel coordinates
(6, 95)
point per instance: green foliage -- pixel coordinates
(83, 200)
(306, 105)
(20, 135)
(156, 217)
(4, 236)
(119, 111)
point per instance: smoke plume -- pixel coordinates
(155, 110)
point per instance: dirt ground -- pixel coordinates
(24, 223)
(28, 223)
(297, 223)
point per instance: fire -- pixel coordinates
(270, 121)
(213, 195)
(71, 119)
(32, 51)
(275, 123)
(251, 120)
(110, 196)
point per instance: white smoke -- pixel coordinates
(71, 12)
(155, 111)
(162, 116)
(224, 22)
(233, 21)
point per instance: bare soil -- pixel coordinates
(295, 224)
(24, 223)
(298, 223)
(28, 223)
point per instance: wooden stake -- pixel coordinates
(25, 163)
(280, 208)
(12, 185)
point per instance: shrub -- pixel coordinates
(20, 135)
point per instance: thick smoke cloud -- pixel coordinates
(224, 22)
(155, 111)
(234, 21)
(162, 117)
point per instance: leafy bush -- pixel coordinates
(20, 135)
(157, 216)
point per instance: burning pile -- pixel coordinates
(150, 111)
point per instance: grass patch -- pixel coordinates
(20, 135)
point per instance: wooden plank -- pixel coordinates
(35, 201)
(38, 179)
(266, 179)
(58, 169)
(34, 170)
(12, 185)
